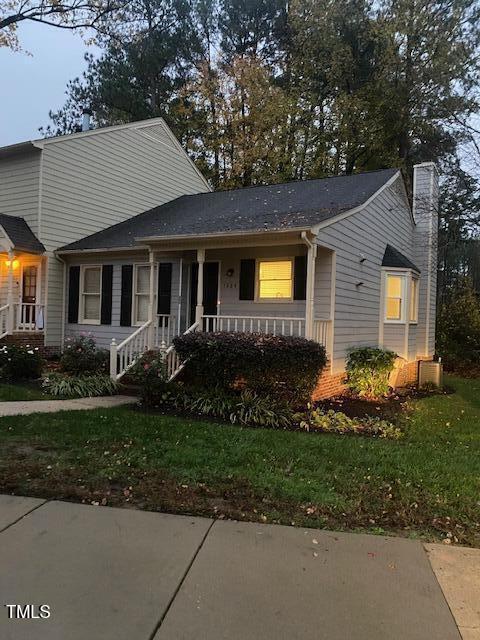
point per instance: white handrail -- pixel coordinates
(124, 355)
(172, 359)
(255, 324)
(4, 320)
(28, 316)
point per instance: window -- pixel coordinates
(395, 298)
(414, 300)
(275, 280)
(141, 290)
(90, 294)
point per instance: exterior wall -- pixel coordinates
(386, 220)
(19, 186)
(92, 181)
(104, 333)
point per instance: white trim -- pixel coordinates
(223, 234)
(414, 277)
(137, 248)
(81, 293)
(133, 320)
(361, 207)
(333, 282)
(429, 266)
(381, 328)
(403, 297)
(259, 300)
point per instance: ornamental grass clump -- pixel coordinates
(63, 385)
(368, 370)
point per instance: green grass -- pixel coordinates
(427, 484)
(12, 392)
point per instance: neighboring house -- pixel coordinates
(338, 260)
(341, 260)
(56, 190)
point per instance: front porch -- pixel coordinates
(278, 288)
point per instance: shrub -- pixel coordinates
(368, 369)
(337, 422)
(20, 362)
(150, 373)
(81, 355)
(86, 386)
(245, 408)
(277, 366)
(458, 329)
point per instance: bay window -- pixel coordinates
(414, 300)
(90, 294)
(397, 286)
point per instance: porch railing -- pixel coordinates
(255, 324)
(165, 330)
(28, 316)
(4, 320)
(124, 355)
(321, 332)
(172, 359)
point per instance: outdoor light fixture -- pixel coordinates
(230, 273)
(14, 264)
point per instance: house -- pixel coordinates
(54, 191)
(344, 260)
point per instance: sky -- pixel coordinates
(36, 82)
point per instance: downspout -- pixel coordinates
(310, 286)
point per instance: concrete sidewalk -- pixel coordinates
(25, 407)
(130, 575)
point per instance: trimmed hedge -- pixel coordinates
(278, 366)
(368, 371)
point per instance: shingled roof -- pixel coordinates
(393, 258)
(290, 205)
(20, 234)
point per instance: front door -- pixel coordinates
(27, 318)
(210, 289)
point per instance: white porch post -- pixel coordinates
(11, 310)
(151, 302)
(199, 307)
(310, 287)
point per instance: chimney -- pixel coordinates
(425, 213)
(86, 115)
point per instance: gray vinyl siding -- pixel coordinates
(19, 186)
(103, 333)
(386, 220)
(412, 342)
(394, 337)
(98, 180)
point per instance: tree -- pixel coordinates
(73, 14)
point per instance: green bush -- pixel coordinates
(368, 370)
(458, 329)
(279, 366)
(150, 374)
(81, 355)
(20, 363)
(337, 422)
(245, 408)
(85, 386)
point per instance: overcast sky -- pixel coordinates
(36, 83)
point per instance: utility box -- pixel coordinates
(430, 372)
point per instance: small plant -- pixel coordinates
(337, 422)
(20, 363)
(86, 386)
(150, 373)
(368, 370)
(81, 355)
(254, 410)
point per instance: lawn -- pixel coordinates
(426, 485)
(12, 392)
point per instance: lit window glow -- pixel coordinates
(394, 297)
(275, 280)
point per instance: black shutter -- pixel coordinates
(106, 311)
(300, 278)
(247, 279)
(164, 293)
(73, 294)
(126, 296)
